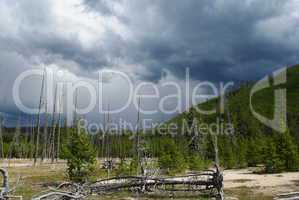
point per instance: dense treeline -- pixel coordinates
(277, 152)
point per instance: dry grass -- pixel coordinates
(31, 180)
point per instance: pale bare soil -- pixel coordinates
(266, 185)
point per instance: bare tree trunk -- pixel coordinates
(103, 137)
(108, 144)
(75, 111)
(137, 145)
(58, 137)
(59, 124)
(53, 127)
(32, 138)
(38, 120)
(67, 134)
(14, 145)
(45, 138)
(28, 133)
(58, 142)
(1, 138)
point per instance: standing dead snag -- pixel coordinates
(58, 138)
(1, 137)
(52, 138)
(14, 145)
(31, 152)
(38, 119)
(60, 100)
(108, 162)
(137, 141)
(45, 138)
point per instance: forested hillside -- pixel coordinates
(254, 143)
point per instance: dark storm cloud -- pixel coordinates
(70, 50)
(215, 39)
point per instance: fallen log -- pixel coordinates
(207, 181)
(62, 195)
(288, 196)
(201, 182)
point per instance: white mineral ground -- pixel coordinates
(269, 184)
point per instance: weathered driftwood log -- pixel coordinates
(148, 183)
(288, 196)
(202, 182)
(58, 195)
(210, 180)
(5, 185)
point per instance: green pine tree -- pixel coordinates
(80, 156)
(287, 151)
(196, 163)
(171, 159)
(253, 152)
(272, 162)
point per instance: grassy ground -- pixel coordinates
(30, 180)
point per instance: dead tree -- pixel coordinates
(75, 111)
(1, 137)
(38, 120)
(31, 152)
(103, 137)
(52, 140)
(14, 145)
(59, 126)
(108, 163)
(137, 139)
(28, 135)
(45, 136)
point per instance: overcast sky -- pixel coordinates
(151, 40)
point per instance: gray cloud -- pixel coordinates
(217, 40)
